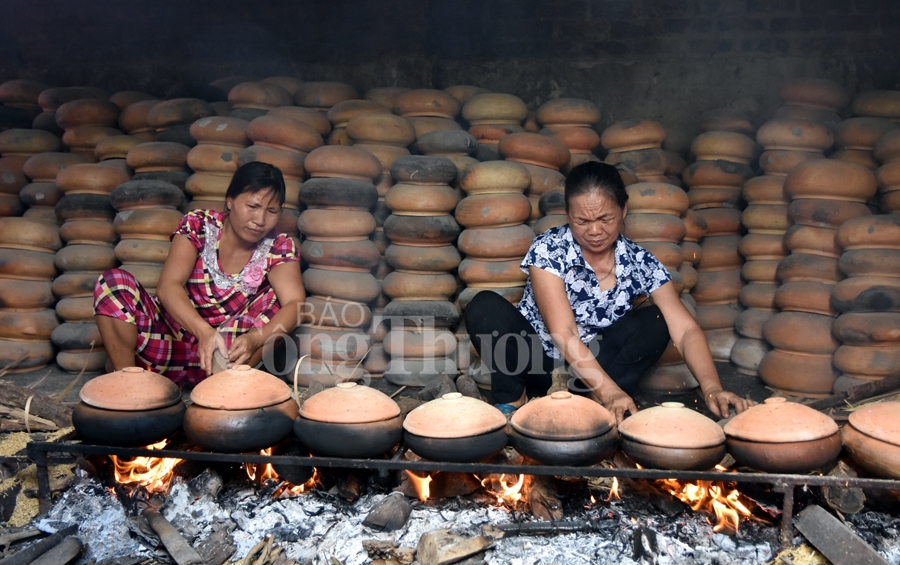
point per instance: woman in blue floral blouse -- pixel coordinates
(594, 300)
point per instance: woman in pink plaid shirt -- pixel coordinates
(230, 283)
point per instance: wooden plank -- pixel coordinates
(858, 392)
(834, 539)
(32, 552)
(175, 544)
(61, 554)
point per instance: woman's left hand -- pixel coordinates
(243, 347)
(720, 400)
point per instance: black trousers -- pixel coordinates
(512, 350)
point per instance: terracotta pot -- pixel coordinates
(725, 146)
(568, 112)
(420, 344)
(423, 259)
(493, 210)
(448, 143)
(581, 452)
(875, 361)
(672, 437)
(21, 92)
(26, 355)
(95, 258)
(361, 255)
(387, 95)
(495, 177)
(157, 156)
(311, 117)
(21, 233)
(455, 428)
(812, 241)
(721, 341)
(88, 178)
(221, 130)
(423, 169)
(720, 252)
(327, 192)
(861, 157)
(805, 296)
(830, 179)
(52, 98)
(728, 119)
(766, 219)
(177, 111)
(284, 133)
(440, 313)
(870, 262)
(779, 162)
(35, 294)
(657, 198)
(632, 135)
(146, 223)
(867, 294)
(869, 232)
(87, 112)
(415, 286)
(720, 221)
(142, 251)
(497, 244)
(861, 132)
(798, 135)
(871, 439)
(463, 92)
(815, 93)
(747, 354)
(72, 285)
(803, 374)
(760, 271)
(765, 189)
(794, 458)
(421, 200)
(534, 149)
(336, 224)
(419, 372)
(760, 247)
(867, 328)
(647, 164)
(427, 124)
(759, 295)
(804, 267)
(382, 129)
(695, 226)
(89, 232)
(426, 103)
(133, 119)
(669, 254)
(27, 142)
(116, 147)
(27, 265)
(45, 166)
(213, 158)
(346, 285)
(422, 230)
(581, 142)
(236, 431)
(334, 312)
(323, 95)
(801, 331)
(877, 103)
(262, 95)
(494, 108)
(342, 162)
(718, 286)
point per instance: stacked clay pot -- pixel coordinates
(766, 219)
(214, 159)
(465, 92)
(654, 222)
(456, 145)
(671, 436)
(283, 142)
(871, 438)
(455, 428)
(783, 437)
(814, 99)
(148, 214)
(337, 226)
(385, 95)
(27, 317)
(422, 231)
(160, 160)
(16, 147)
(695, 228)
(90, 238)
(729, 118)
(868, 300)
(52, 98)
(543, 157)
(343, 112)
(387, 137)
(877, 104)
(887, 152)
(824, 193)
(571, 121)
(495, 238)
(855, 139)
(240, 410)
(322, 96)
(637, 145)
(113, 151)
(125, 98)
(22, 95)
(172, 119)
(552, 205)
(250, 100)
(714, 182)
(87, 122)
(428, 110)
(491, 116)
(41, 194)
(129, 408)
(133, 120)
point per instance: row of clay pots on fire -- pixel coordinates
(243, 410)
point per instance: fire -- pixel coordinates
(263, 473)
(613, 491)
(505, 488)
(421, 484)
(152, 473)
(709, 496)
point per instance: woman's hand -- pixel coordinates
(617, 402)
(719, 401)
(210, 340)
(244, 346)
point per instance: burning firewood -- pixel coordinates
(34, 551)
(543, 501)
(175, 544)
(389, 514)
(846, 500)
(442, 547)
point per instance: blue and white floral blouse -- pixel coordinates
(638, 272)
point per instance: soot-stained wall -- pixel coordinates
(668, 60)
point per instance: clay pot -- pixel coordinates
(133, 119)
(455, 428)
(87, 112)
(493, 210)
(724, 145)
(380, 128)
(861, 133)
(534, 149)
(803, 267)
(423, 259)
(88, 178)
(349, 193)
(336, 225)
(765, 189)
(495, 177)
(343, 162)
(877, 103)
(345, 285)
(763, 246)
(801, 331)
(496, 244)
(53, 98)
(421, 200)
(812, 241)
(870, 262)
(426, 103)
(830, 179)
(796, 135)
(671, 436)
(802, 374)
(221, 130)
(240, 409)
(313, 118)
(783, 437)
(805, 296)
(494, 108)
(871, 439)
(349, 421)
(869, 232)
(462, 92)
(759, 295)
(27, 142)
(867, 328)
(728, 119)
(387, 95)
(720, 221)
(878, 360)
(815, 93)
(867, 294)
(564, 112)
(448, 143)
(780, 162)
(430, 230)
(647, 164)
(400, 285)
(176, 111)
(157, 156)
(747, 354)
(263, 95)
(632, 135)
(427, 124)
(657, 198)
(323, 95)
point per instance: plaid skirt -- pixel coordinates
(163, 346)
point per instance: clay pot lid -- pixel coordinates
(562, 416)
(130, 389)
(780, 421)
(453, 416)
(672, 425)
(240, 388)
(349, 403)
(880, 421)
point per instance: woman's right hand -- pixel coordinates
(617, 402)
(209, 341)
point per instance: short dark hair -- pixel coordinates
(254, 177)
(593, 176)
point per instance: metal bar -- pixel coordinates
(787, 513)
(43, 477)
(387, 464)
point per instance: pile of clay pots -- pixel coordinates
(214, 159)
(17, 146)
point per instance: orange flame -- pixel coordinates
(421, 484)
(504, 488)
(265, 472)
(708, 496)
(613, 491)
(152, 473)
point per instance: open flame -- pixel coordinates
(613, 491)
(265, 472)
(154, 474)
(421, 484)
(709, 496)
(508, 489)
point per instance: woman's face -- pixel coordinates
(596, 221)
(254, 214)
